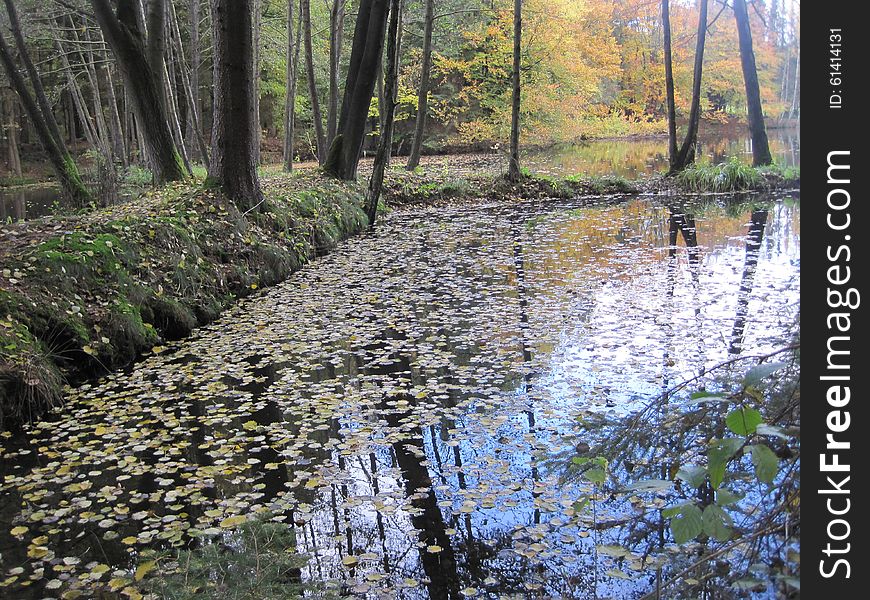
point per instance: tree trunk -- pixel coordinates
(669, 84)
(686, 154)
(11, 130)
(760, 147)
(127, 41)
(194, 128)
(33, 74)
(232, 166)
(368, 41)
(385, 144)
(65, 168)
(514, 165)
(258, 19)
(336, 35)
(795, 96)
(423, 94)
(115, 117)
(293, 47)
(312, 83)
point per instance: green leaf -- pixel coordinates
(596, 475)
(693, 475)
(716, 523)
(766, 463)
(718, 454)
(650, 485)
(743, 421)
(687, 524)
(725, 497)
(772, 430)
(700, 397)
(759, 372)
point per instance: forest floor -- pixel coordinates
(85, 294)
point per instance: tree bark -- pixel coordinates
(386, 142)
(193, 120)
(64, 167)
(514, 164)
(423, 94)
(686, 154)
(669, 84)
(257, 22)
(368, 41)
(127, 41)
(316, 115)
(233, 168)
(760, 147)
(336, 35)
(293, 47)
(193, 126)
(11, 129)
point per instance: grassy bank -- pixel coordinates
(84, 295)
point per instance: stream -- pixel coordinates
(406, 404)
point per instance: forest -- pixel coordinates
(400, 299)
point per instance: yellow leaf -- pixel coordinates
(233, 521)
(143, 569)
(20, 530)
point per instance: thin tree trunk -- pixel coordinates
(293, 47)
(686, 154)
(760, 147)
(386, 142)
(60, 159)
(115, 116)
(232, 166)
(33, 74)
(194, 116)
(795, 96)
(142, 84)
(316, 116)
(669, 84)
(258, 19)
(514, 165)
(423, 93)
(336, 37)
(11, 130)
(194, 128)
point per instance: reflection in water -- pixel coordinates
(400, 403)
(27, 202)
(753, 249)
(635, 157)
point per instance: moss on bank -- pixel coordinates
(82, 296)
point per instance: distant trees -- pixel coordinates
(40, 113)
(233, 165)
(139, 56)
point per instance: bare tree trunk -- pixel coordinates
(423, 93)
(514, 165)
(232, 166)
(760, 147)
(293, 47)
(258, 19)
(669, 84)
(386, 142)
(368, 43)
(194, 115)
(193, 119)
(336, 37)
(125, 37)
(795, 96)
(10, 110)
(115, 117)
(686, 154)
(312, 84)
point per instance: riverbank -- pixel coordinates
(81, 296)
(84, 295)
